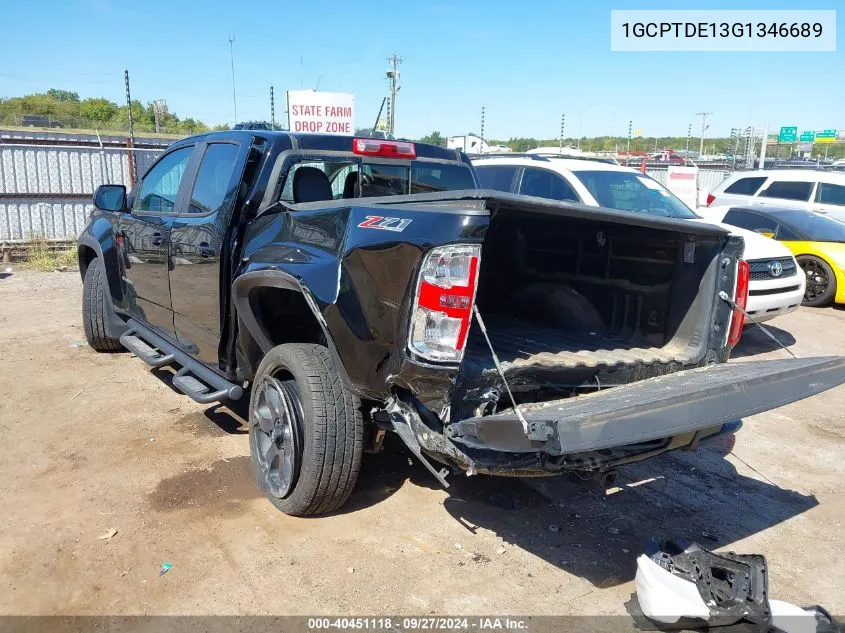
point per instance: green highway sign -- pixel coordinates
(827, 136)
(807, 137)
(788, 134)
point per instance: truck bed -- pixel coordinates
(518, 345)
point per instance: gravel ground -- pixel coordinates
(97, 444)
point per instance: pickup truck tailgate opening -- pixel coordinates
(572, 303)
(656, 408)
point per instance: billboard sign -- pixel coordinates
(788, 134)
(321, 112)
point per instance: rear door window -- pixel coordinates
(785, 235)
(498, 177)
(213, 178)
(746, 186)
(546, 184)
(789, 190)
(830, 194)
(751, 221)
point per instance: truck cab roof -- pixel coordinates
(324, 142)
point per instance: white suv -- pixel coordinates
(811, 189)
(777, 285)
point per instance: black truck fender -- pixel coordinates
(271, 278)
(98, 242)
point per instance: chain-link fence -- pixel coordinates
(46, 189)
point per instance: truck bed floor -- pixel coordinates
(519, 344)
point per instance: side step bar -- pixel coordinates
(194, 379)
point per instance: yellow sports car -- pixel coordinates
(817, 241)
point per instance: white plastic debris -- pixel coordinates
(664, 597)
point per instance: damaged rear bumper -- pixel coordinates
(625, 423)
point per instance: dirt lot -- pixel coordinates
(96, 442)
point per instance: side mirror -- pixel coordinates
(110, 198)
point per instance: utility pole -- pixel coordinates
(482, 124)
(159, 108)
(272, 110)
(393, 78)
(232, 60)
(703, 116)
(562, 121)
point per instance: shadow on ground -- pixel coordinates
(754, 341)
(698, 495)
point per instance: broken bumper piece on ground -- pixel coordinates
(681, 585)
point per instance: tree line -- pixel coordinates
(646, 144)
(66, 107)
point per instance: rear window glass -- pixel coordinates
(428, 177)
(788, 190)
(384, 179)
(746, 186)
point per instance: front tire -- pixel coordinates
(821, 282)
(305, 431)
(95, 309)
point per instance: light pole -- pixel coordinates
(580, 121)
(232, 60)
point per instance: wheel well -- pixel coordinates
(86, 256)
(285, 316)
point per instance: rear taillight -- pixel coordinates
(710, 199)
(741, 300)
(386, 149)
(443, 303)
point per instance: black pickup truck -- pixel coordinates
(357, 286)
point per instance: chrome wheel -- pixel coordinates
(276, 435)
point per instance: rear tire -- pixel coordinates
(95, 308)
(305, 431)
(821, 282)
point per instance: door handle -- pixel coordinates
(158, 239)
(206, 250)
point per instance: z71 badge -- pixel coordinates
(385, 224)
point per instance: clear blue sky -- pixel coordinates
(526, 62)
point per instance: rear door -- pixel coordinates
(657, 408)
(196, 243)
(830, 198)
(146, 234)
(795, 192)
(544, 183)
